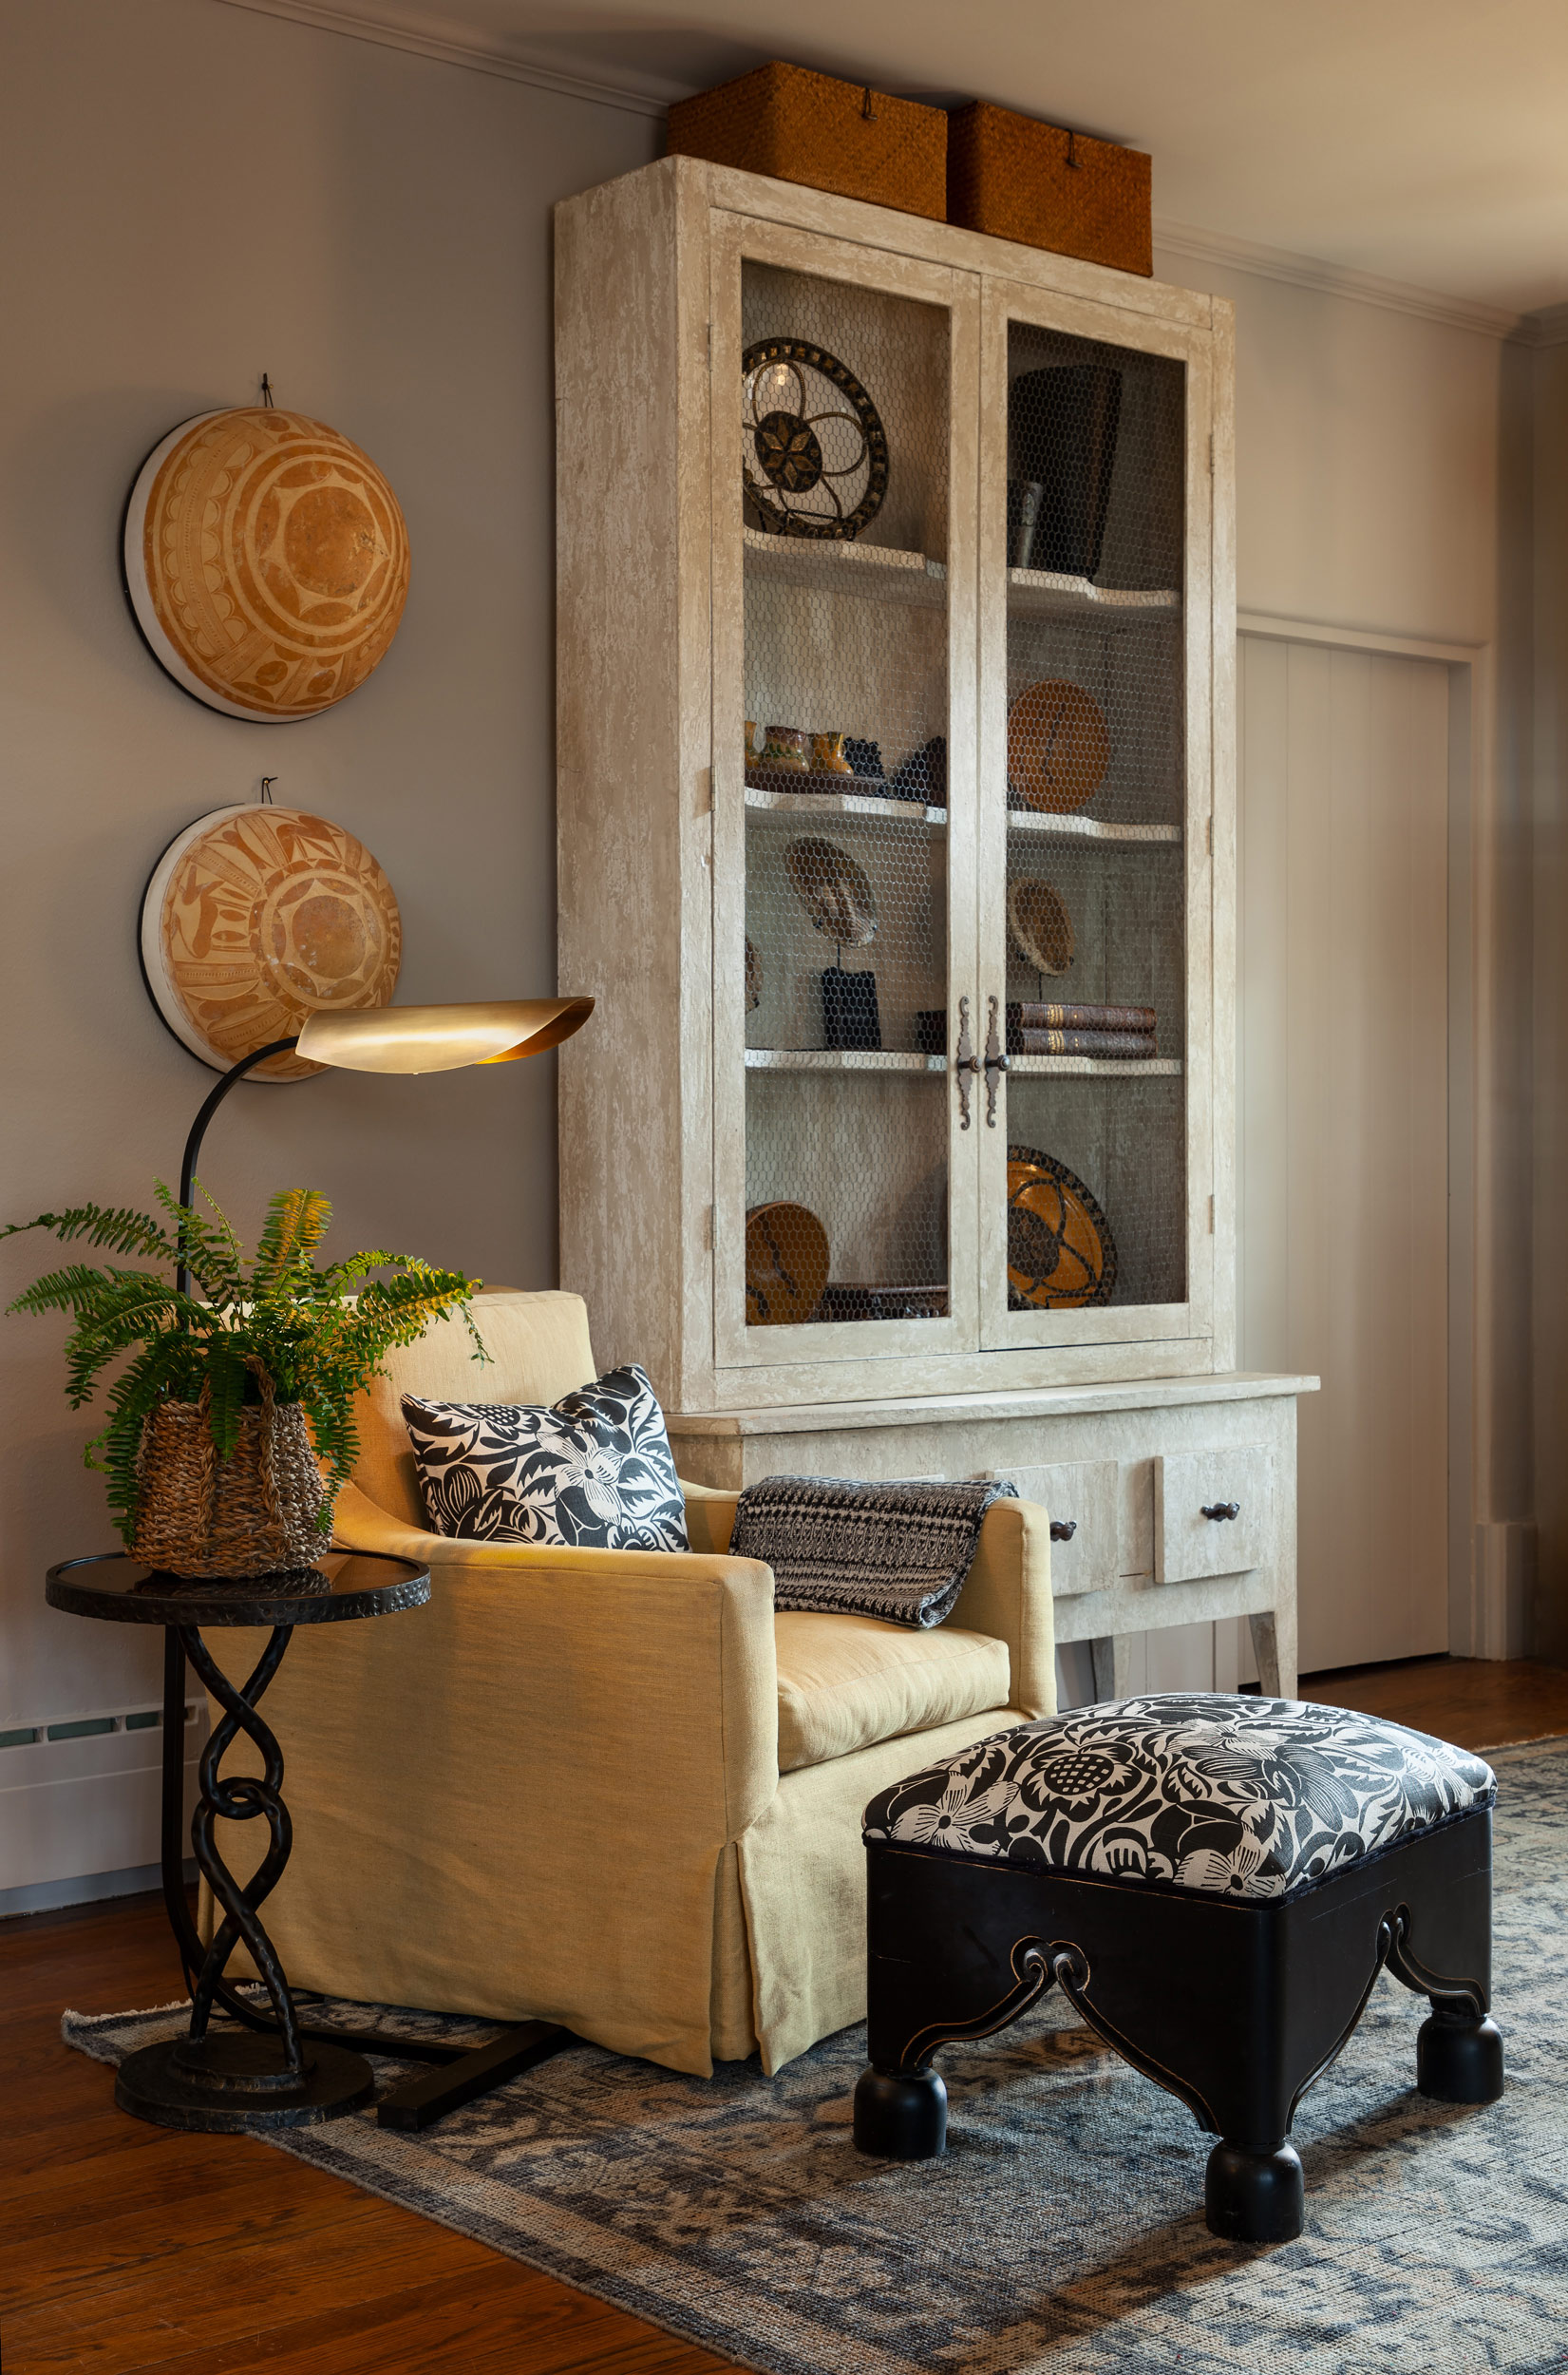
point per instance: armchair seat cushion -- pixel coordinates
(848, 1681)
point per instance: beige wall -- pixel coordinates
(193, 193)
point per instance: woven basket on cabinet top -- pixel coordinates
(1020, 179)
(800, 127)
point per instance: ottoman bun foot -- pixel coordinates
(1459, 2059)
(1253, 2193)
(901, 2114)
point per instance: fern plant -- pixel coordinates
(320, 1333)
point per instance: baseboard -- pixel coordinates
(1503, 1588)
(49, 1897)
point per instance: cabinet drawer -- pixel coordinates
(1188, 1545)
(1079, 1493)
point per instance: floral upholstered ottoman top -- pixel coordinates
(1247, 1797)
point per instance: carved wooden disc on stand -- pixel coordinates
(267, 561)
(256, 918)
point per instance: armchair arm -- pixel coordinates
(673, 1638)
(1008, 1595)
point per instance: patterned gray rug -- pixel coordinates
(1063, 2233)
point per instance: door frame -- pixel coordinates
(1481, 1623)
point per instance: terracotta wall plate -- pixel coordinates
(267, 561)
(256, 918)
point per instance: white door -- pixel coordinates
(1343, 1121)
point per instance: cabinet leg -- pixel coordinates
(1274, 1646)
(1110, 1657)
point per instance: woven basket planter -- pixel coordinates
(250, 1514)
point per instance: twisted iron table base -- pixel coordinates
(269, 2068)
(266, 2074)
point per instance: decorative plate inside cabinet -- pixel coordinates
(256, 918)
(813, 448)
(785, 1265)
(1041, 926)
(1058, 747)
(834, 890)
(267, 561)
(1060, 1254)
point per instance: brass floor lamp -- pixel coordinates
(385, 1039)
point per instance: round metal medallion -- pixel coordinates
(814, 450)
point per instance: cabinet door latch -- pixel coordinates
(996, 1064)
(963, 1061)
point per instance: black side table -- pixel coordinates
(266, 2073)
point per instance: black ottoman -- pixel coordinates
(1215, 1884)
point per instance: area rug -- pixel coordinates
(1063, 2233)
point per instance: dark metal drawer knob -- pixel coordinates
(1063, 1528)
(1222, 1509)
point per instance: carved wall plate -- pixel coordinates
(256, 918)
(267, 561)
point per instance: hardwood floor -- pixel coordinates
(126, 2247)
(1476, 1702)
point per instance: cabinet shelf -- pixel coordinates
(1044, 593)
(848, 804)
(1043, 824)
(839, 1059)
(1095, 1067)
(874, 572)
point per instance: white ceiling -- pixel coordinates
(1424, 140)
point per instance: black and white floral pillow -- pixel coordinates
(594, 1473)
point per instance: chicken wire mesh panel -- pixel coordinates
(1096, 800)
(847, 1190)
(844, 509)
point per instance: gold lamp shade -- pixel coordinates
(440, 1038)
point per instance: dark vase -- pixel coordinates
(1062, 421)
(849, 1009)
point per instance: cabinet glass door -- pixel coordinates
(1094, 801)
(843, 786)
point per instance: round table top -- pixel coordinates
(342, 1584)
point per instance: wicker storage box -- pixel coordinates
(800, 126)
(1031, 181)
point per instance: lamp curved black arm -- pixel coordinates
(199, 1128)
(191, 1951)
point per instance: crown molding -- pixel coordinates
(1311, 272)
(476, 56)
(1549, 327)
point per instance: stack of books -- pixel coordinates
(1052, 1030)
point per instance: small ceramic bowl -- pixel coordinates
(785, 747)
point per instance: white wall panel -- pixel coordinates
(1343, 1066)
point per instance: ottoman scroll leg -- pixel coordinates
(1254, 2193)
(900, 2114)
(1459, 2051)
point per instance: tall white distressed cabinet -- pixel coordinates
(896, 815)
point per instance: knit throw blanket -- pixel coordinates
(899, 1551)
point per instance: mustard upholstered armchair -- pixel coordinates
(610, 1789)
